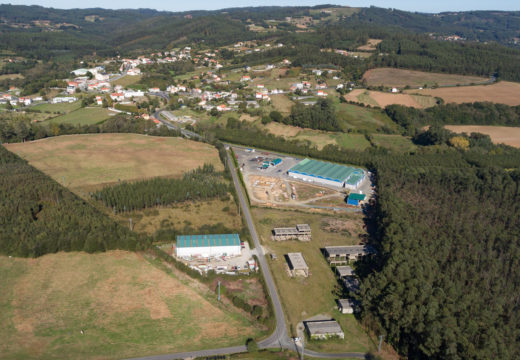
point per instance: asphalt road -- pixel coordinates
(169, 125)
(279, 338)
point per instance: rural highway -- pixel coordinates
(169, 125)
(279, 338)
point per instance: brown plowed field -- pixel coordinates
(400, 78)
(503, 92)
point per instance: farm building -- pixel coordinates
(301, 232)
(276, 161)
(344, 270)
(324, 329)
(354, 199)
(297, 264)
(208, 245)
(347, 306)
(327, 173)
(340, 255)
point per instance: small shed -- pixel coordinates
(276, 161)
(344, 270)
(347, 306)
(297, 264)
(354, 199)
(324, 329)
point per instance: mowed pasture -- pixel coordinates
(107, 306)
(83, 116)
(79, 161)
(383, 99)
(400, 78)
(503, 92)
(499, 134)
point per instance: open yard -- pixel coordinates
(383, 99)
(83, 116)
(400, 78)
(282, 103)
(503, 92)
(127, 80)
(303, 298)
(188, 215)
(107, 306)
(499, 134)
(80, 161)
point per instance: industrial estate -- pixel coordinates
(259, 183)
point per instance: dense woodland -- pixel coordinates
(445, 283)
(200, 184)
(39, 216)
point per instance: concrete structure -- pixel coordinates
(325, 173)
(207, 246)
(324, 329)
(297, 264)
(341, 255)
(301, 232)
(343, 271)
(347, 306)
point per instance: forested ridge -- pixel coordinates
(39, 216)
(446, 281)
(200, 184)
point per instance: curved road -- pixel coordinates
(279, 338)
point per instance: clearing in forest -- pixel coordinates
(499, 134)
(110, 305)
(94, 159)
(370, 45)
(503, 92)
(400, 78)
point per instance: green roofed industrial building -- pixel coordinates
(208, 245)
(327, 173)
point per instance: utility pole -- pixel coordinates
(380, 342)
(219, 290)
(131, 226)
(303, 345)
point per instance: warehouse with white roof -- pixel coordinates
(189, 246)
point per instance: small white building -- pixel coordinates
(206, 246)
(347, 306)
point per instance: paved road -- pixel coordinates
(279, 338)
(169, 125)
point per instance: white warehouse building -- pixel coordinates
(189, 246)
(325, 173)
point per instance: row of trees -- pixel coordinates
(200, 184)
(39, 216)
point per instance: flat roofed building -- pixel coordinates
(301, 232)
(327, 173)
(297, 264)
(216, 245)
(324, 329)
(347, 306)
(340, 255)
(344, 270)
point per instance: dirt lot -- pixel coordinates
(87, 160)
(370, 45)
(382, 99)
(110, 305)
(499, 134)
(400, 78)
(503, 92)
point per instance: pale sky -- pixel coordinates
(410, 5)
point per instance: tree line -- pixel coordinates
(201, 184)
(39, 216)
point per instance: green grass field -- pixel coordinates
(394, 142)
(63, 107)
(352, 141)
(127, 80)
(361, 118)
(124, 304)
(83, 116)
